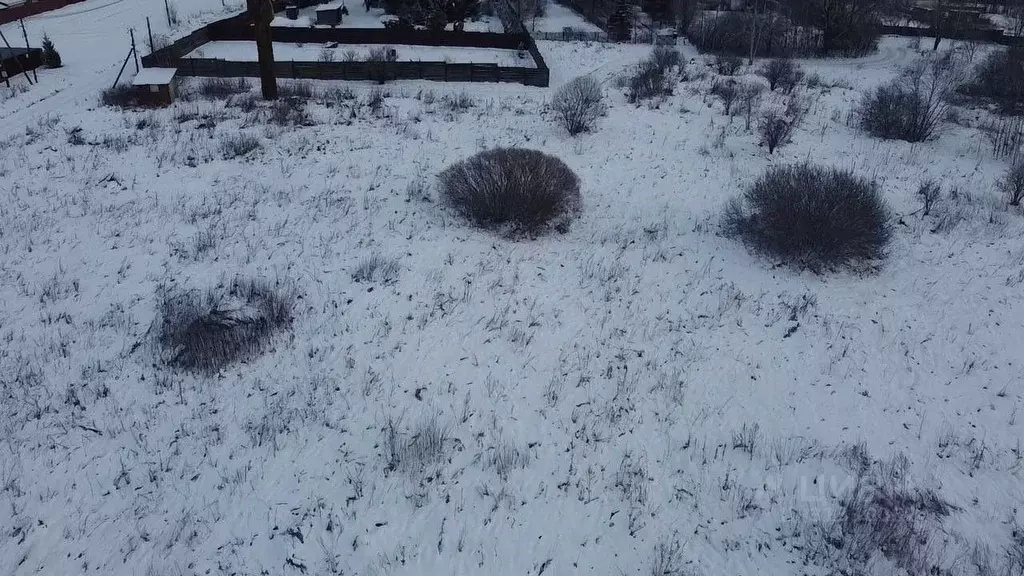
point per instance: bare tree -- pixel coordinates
(578, 104)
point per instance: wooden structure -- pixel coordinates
(155, 86)
(330, 14)
(14, 61)
(240, 28)
(26, 9)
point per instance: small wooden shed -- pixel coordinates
(15, 60)
(330, 14)
(155, 86)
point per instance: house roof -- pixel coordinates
(151, 76)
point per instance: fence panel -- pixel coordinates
(239, 28)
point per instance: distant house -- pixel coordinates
(155, 86)
(15, 60)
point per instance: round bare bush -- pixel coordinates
(811, 216)
(578, 104)
(512, 188)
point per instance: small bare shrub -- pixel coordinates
(337, 96)
(458, 102)
(726, 91)
(1007, 136)
(518, 189)
(578, 104)
(376, 268)
(296, 89)
(647, 81)
(929, 192)
(326, 55)
(882, 516)
(238, 144)
(207, 331)
(749, 97)
(375, 99)
(728, 65)
(506, 457)
(811, 217)
(667, 559)
(120, 96)
(1011, 184)
(776, 127)
(413, 451)
(781, 73)
(289, 111)
(222, 88)
(667, 58)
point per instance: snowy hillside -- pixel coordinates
(637, 395)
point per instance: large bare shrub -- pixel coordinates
(811, 216)
(513, 188)
(1000, 77)
(727, 91)
(781, 73)
(579, 104)
(912, 106)
(207, 331)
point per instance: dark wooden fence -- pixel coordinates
(27, 9)
(376, 71)
(996, 36)
(238, 28)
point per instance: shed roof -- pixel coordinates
(151, 76)
(6, 53)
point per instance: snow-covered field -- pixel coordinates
(246, 52)
(636, 396)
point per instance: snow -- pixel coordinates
(558, 17)
(623, 358)
(93, 40)
(240, 51)
(148, 76)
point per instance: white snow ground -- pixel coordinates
(624, 362)
(246, 52)
(557, 17)
(93, 39)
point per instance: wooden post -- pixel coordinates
(261, 12)
(24, 34)
(131, 32)
(167, 8)
(8, 44)
(149, 29)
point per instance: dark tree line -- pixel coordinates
(433, 14)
